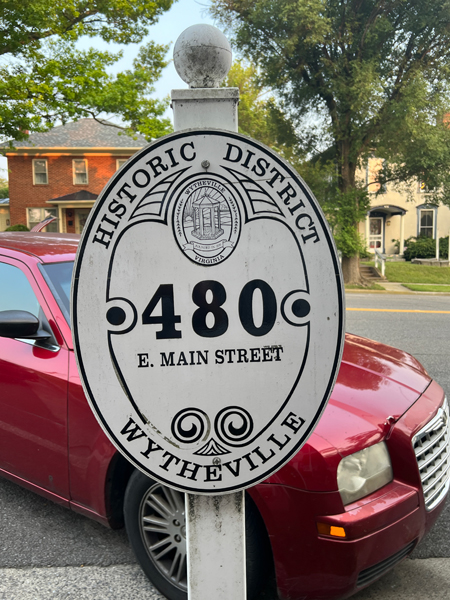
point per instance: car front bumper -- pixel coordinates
(380, 529)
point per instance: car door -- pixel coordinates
(33, 390)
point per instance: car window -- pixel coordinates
(16, 291)
(59, 280)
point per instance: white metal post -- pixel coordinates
(216, 547)
(402, 234)
(437, 244)
(367, 228)
(215, 525)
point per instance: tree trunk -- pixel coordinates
(350, 264)
(350, 270)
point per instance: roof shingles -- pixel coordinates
(85, 133)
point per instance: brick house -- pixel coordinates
(62, 171)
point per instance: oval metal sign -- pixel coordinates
(208, 311)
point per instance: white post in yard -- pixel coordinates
(437, 244)
(215, 525)
(402, 234)
(367, 228)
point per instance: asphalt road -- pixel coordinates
(425, 335)
(47, 552)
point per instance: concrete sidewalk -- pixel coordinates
(394, 288)
(413, 579)
(391, 286)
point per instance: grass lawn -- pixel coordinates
(405, 272)
(427, 288)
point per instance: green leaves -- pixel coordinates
(260, 116)
(45, 78)
(122, 21)
(360, 79)
(4, 188)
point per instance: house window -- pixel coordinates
(424, 188)
(80, 172)
(36, 215)
(17, 293)
(40, 171)
(120, 162)
(426, 223)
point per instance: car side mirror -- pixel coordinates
(21, 324)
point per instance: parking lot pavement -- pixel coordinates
(411, 580)
(76, 583)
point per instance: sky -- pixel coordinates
(170, 25)
(182, 15)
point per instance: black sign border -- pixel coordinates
(341, 307)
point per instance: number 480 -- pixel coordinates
(210, 296)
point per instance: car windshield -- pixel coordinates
(59, 280)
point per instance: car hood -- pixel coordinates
(376, 385)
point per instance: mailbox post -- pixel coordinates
(208, 313)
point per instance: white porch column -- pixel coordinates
(61, 221)
(402, 234)
(367, 230)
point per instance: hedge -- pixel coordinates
(425, 247)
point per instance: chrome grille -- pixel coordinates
(432, 448)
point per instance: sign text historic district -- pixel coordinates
(208, 273)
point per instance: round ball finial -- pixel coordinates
(202, 56)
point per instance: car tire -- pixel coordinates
(155, 523)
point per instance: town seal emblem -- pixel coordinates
(206, 220)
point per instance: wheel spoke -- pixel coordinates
(152, 523)
(163, 552)
(160, 544)
(159, 505)
(181, 571)
(175, 499)
(154, 529)
(174, 563)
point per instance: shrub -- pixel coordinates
(425, 247)
(443, 247)
(365, 254)
(17, 228)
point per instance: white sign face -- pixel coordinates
(208, 311)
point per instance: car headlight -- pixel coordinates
(363, 472)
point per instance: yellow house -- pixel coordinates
(395, 216)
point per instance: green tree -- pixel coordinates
(259, 113)
(362, 78)
(4, 188)
(45, 77)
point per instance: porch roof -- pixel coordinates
(80, 196)
(387, 209)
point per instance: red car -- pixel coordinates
(358, 497)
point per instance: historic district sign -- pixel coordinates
(207, 311)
